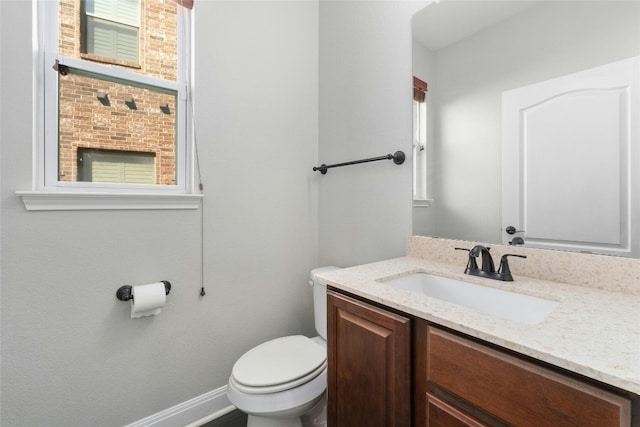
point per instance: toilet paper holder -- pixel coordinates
(124, 292)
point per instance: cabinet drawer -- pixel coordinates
(518, 392)
(441, 414)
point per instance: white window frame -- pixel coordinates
(420, 194)
(48, 193)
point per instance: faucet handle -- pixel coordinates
(516, 255)
(504, 271)
(471, 264)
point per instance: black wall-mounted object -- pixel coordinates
(124, 293)
(397, 157)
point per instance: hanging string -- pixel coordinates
(192, 120)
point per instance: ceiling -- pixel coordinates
(441, 24)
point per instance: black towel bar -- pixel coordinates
(397, 157)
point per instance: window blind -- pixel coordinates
(112, 28)
(419, 89)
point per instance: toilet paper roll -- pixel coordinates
(147, 299)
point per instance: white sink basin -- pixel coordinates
(497, 302)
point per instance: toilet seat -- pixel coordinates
(279, 387)
(279, 364)
(286, 403)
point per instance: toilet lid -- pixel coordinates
(279, 361)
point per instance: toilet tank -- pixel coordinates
(320, 300)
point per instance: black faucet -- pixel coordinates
(487, 260)
(488, 269)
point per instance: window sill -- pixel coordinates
(69, 201)
(110, 61)
(422, 203)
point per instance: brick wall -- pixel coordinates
(85, 121)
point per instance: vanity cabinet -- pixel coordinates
(369, 365)
(388, 369)
(471, 384)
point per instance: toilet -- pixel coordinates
(283, 382)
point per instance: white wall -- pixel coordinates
(471, 76)
(70, 354)
(257, 108)
(365, 111)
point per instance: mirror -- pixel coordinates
(471, 52)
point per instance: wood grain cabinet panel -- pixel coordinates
(369, 357)
(442, 414)
(515, 391)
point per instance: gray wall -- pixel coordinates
(70, 354)
(365, 111)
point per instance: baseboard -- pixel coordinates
(206, 407)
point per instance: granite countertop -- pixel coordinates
(593, 332)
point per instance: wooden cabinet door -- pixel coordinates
(369, 365)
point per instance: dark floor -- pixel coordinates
(232, 419)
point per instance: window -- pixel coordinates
(99, 112)
(110, 28)
(113, 80)
(419, 140)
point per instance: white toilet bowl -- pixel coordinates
(283, 382)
